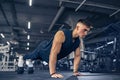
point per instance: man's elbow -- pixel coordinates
(77, 56)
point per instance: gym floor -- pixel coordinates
(44, 75)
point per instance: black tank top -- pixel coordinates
(68, 46)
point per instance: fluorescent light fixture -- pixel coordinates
(28, 44)
(27, 48)
(111, 42)
(100, 47)
(114, 60)
(29, 24)
(2, 35)
(8, 43)
(28, 37)
(45, 63)
(30, 2)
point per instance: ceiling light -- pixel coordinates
(2, 35)
(30, 2)
(28, 44)
(28, 37)
(29, 24)
(8, 43)
(111, 42)
(27, 48)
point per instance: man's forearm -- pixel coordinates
(52, 64)
(76, 63)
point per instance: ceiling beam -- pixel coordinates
(94, 4)
(60, 11)
(3, 12)
(80, 5)
(117, 11)
(4, 29)
(101, 5)
(14, 15)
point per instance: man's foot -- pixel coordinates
(30, 66)
(20, 70)
(30, 70)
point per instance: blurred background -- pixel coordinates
(25, 23)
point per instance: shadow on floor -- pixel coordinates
(72, 78)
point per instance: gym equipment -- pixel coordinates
(5, 63)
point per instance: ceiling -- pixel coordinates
(48, 16)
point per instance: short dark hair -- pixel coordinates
(85, 22)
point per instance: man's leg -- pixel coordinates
(29, 64)
(28, 57)
(20, 69)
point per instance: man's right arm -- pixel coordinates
(56, 47)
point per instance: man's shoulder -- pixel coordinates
(60, 32)
(65, 30)
(59, 36)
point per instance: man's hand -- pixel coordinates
(77, 74)
(56, 75)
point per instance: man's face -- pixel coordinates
(82, 30)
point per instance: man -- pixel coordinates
(63, 43)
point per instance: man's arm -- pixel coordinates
(77, 58)
(56, 47)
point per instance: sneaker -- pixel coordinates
(20, 70)
(30, 70)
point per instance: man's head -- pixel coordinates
(83, 26)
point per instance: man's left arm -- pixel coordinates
(77, 58)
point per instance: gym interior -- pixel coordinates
(26, 23)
